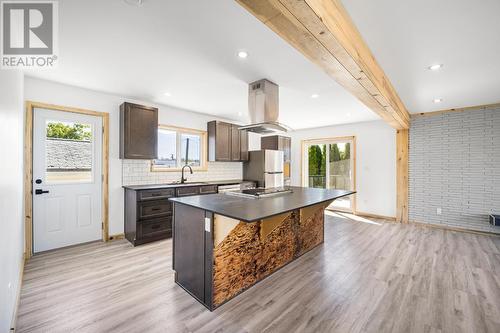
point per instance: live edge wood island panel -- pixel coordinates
(249, 252)
(216, 257)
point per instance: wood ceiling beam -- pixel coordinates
(323, 32)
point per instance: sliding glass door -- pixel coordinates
(330, 163)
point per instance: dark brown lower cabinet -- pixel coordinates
(148, 213)
(189, 242)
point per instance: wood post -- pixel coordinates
(402, 147)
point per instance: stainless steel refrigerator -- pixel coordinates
(265, 167)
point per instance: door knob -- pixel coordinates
(40, 191)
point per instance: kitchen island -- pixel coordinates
(224, 244)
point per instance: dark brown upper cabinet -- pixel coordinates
(138, 132)
(226, 142)
(283, 143)
(219, 141)
(235, 144)
(277, 142)
(244, 145)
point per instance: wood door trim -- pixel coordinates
(337, 138)
(28, 168)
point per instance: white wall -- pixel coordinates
(253, 141)
(54, 93)
(375, 162)
(11, 195)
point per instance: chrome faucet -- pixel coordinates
(183, 180)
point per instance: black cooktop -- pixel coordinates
(266, 191)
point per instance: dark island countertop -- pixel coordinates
(250, 209)
(174, 185)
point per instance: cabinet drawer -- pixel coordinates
(154, 227)
(147, 209)
(156, 194)
(208, 189)
(185, 191)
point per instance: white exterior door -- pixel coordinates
(67, 179)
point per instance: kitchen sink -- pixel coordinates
(187, 183)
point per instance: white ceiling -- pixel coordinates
(188, 48)
(408, 36)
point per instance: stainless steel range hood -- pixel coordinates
(263, 106)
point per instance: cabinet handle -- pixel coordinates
(156, 226)
(155, 209)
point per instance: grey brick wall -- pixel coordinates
(455, 166)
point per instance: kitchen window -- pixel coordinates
(180, 146)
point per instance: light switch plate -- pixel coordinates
(207, 224)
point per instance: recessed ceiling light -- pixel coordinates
(167, 94)
(240, 113)
(435, 67)
(437, 100)
(348, 114)
(242, 54)
(314, 96)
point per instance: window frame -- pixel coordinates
(179, 131)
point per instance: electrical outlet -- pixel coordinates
(207, 224)
(9, 285)
(438, 211)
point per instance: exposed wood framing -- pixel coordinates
(323, 31)
(469, 108)
(402, 146)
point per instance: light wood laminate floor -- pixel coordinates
(366, 277)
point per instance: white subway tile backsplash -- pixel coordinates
(138, 172)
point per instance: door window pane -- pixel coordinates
(330, 164)
(191, 147)
(317, 166)
(167, 148)
(340, 171)
(68, 152)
